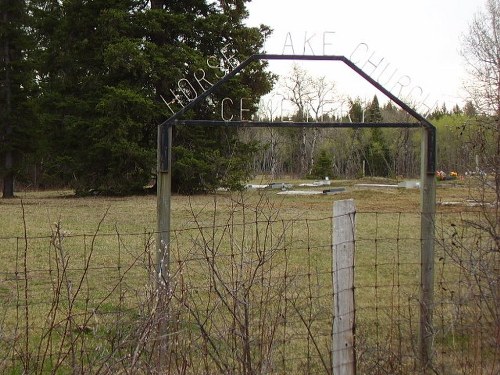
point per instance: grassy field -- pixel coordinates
(251, 281)
(132, 214)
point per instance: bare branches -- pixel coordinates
(481, 51)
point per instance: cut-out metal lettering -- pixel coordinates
(223, 109)
(372, 63)
(307, 42)
(326, 42)
(243, 109)
(288, 44)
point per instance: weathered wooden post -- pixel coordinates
(343, 246)
(427, 221)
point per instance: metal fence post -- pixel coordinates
(163, 197)
(164, 192)
(427, 220)
(343, 246)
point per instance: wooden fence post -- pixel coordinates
(343, 245)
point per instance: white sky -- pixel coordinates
(418, 40)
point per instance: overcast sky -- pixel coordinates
(410, 46)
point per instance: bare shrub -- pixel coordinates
(75, 315)
(237, 295)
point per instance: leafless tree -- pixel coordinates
(312, 99)
(481, 51)
(474, 242)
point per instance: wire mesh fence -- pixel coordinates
(250, 291)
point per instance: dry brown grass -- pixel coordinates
(387, 261)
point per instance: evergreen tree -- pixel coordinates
(206, 158)
(469, 109)
(457, 110)
(323, 166)
(104, 66)
(373, 112)
(355, 111)
(377, 153)
(437, 113)
(16, 115)
(444, 110)
(99, 108)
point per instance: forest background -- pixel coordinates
(83, 86)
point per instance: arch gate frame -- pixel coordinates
(427, 186)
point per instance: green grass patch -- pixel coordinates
(251, 282)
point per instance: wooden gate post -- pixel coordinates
(343, 245)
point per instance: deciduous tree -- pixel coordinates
(481, 51)
(312, 99)
(477, 254)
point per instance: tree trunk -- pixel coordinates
(273, 155)
(313, 149)
(303, 153)
(8, 178)
(8, 186)
(157, 4)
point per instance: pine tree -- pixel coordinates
(456, 110)
(104, 68)
(16, 81)
(469, 109)
(97, 112)
(373, 112)
(323, 166)
(206, 158)
(355, 111)
(376, 151)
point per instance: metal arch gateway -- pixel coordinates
(427, 183)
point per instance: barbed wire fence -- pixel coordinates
(251, 292)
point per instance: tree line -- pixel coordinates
(83, 86)
(321, 152)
